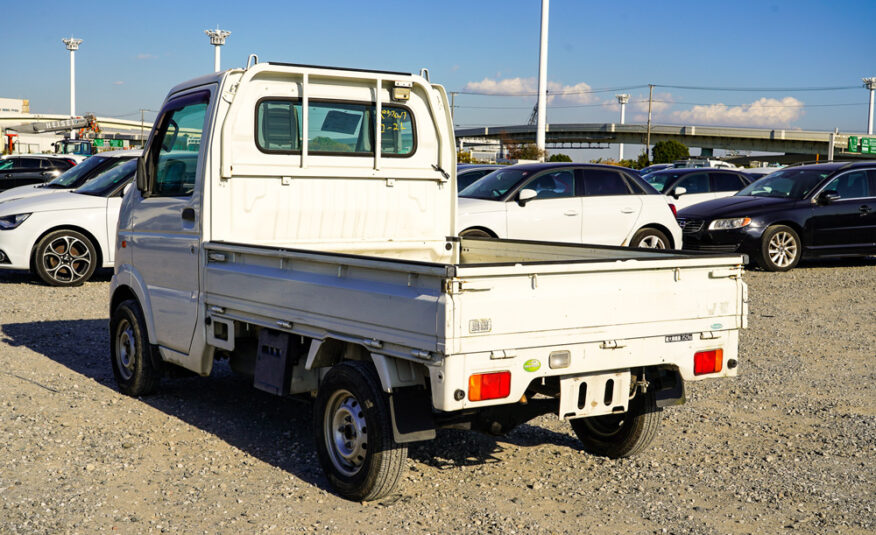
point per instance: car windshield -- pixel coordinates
(659, 180)
(110, 180)
(76, 175)
(496, 185)
(785, 184)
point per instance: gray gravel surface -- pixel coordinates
(788, 446)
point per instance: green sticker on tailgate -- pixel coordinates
(532, 365)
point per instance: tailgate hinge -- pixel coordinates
(453, 286)
(612, 344)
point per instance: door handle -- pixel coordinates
(570, 212)
(627, 210)
(188, 214)
(865, 209)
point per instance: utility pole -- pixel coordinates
(648, 135)
(452, 105)
(542, 82)
(622, 100)
(217, 39)
(870, 83)
(72, 46)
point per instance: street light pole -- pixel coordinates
(72, 45)
(622, 100)
(542, 82)
(217, 39)
(870, 83)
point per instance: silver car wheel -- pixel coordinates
(346, 432)
(67, 259)
(782, 249)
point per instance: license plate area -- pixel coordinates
(594, 394)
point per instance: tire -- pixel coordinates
(353, 433)
(65, 258)
(780, 248)
(621, 435)
(134, 360)
(650, 238)
(475, 233)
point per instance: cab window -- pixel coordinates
(603, 182)
(553, 185)
(174, 150)
(851, 185)
(695, 183)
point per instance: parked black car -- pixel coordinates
(806, 211)
(467, 173)
(24, 169)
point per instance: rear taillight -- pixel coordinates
(484, 386)
(674, 210)
(708, 361)
(70, 161)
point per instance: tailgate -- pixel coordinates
(519, 306)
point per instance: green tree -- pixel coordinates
(463, 156)
(668, 151)
(642, 161)
(525, 151)
(559, 157)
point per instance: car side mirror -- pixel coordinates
(142, 178)
(54, 173)
(828, 197)
(525, 196)
(679, 191)
(126, 188)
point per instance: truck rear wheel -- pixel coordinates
(353, 433)
(621, 435)
(133, 357)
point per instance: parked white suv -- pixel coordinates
(581, 203)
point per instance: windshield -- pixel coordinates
(496, 185)
(785, 184)
(77, 175)
(109, 180)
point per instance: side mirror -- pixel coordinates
(679, 191)
(126, 189)
(142, 178)
(828, 197)
(526, 195)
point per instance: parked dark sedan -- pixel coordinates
(24, 169)
(806, 211)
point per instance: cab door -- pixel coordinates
(167, 222)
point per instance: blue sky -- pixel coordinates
(133, 52)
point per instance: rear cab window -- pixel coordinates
(602, 182)
(337, 128)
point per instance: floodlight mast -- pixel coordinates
(72, 45)
(870, 83)
(542, 82)
(622, 100)
(217, 39)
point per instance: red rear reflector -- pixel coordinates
(674, 210)
(489, 386)
(708, 361)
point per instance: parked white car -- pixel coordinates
(75, 176)
(689, 186)
(579, 203)
(65, 235)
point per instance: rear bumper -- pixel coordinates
(450, 380)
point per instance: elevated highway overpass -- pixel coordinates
(599, 135)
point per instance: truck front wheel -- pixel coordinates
(133, 357)
(621, 435)
(353, 433)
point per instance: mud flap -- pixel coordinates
(411, 411)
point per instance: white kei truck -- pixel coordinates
(299, 221)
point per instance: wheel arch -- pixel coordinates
(481, 228)
(662, 228)
(98, 248)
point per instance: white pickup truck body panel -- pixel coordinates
(356, 249)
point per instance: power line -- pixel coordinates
(712, 88)
(572, 106)
(666, 86)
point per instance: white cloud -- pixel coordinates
(576, 94)
(762, 112)
(146, 56)
(118, 82)
(659, 103)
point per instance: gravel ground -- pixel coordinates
(789, 445)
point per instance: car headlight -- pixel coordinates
(729, 224)
(9, 222)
